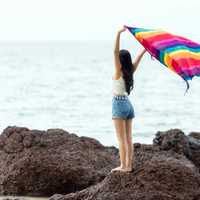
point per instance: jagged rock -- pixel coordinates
(78, 168)
(195, 135)
(175, 140)
(160, 176)
(194, 141)
(42, 163)
(163, 171)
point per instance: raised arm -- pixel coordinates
(138, 59)
(116, 51)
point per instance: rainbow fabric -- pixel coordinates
(179, 54)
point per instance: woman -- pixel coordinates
(122, 109)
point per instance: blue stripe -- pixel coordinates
(137, 30)
(168, 50)
(181, 47)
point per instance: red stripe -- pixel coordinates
(176, 67)
(188, 62)
(148, 41)
(159, 37)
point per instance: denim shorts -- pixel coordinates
(122, 107)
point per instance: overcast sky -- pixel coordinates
(94, 19)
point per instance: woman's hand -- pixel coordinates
(122, 30)
(144, 50)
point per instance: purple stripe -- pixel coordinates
(192, 72)
(171, 42)
(187, 41)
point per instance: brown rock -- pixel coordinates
(195, 135)
(55, 161)
(162, 171)
(42, 163)
(176, 141)
(194, 141)
(161, 177)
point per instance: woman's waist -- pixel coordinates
(120, 93)
(120, 96)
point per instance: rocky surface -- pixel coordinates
(42, 163)
(166, 170)
(176, 141)
(64, 166)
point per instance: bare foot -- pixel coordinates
(127, 169)
(117, 169)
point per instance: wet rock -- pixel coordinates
(14, 198)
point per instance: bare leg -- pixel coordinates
(130, 150)
(120, 128)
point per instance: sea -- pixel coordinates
(68, 85)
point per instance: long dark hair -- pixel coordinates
(127, 69)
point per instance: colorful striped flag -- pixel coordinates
(179, 54)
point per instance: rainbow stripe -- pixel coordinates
(179, 54)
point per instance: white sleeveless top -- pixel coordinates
(118, 86)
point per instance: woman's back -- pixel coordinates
(118, 86)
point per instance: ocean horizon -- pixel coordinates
(67, 85)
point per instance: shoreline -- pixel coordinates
(23, 197)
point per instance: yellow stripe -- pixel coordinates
(185, 54)
(143, 35)
(179, 54)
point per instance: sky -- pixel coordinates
(94, 20)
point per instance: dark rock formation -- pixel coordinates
(194, 142)
(166, 170)
(176, 141)
(42, 163)
(195, 135)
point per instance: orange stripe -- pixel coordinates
(143, 35)
(184, 54)
(168, 61)
(169, 58)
